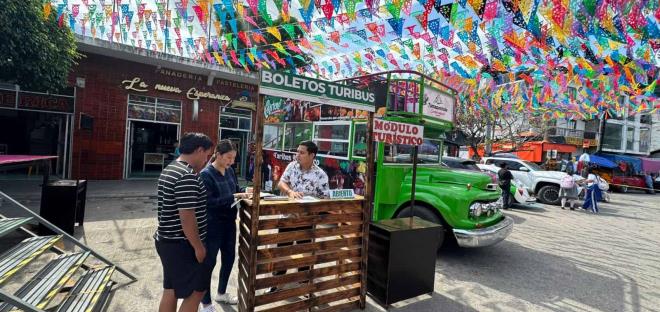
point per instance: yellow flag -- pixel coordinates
(47, 9)
(275, 32)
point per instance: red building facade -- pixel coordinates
(129, 115)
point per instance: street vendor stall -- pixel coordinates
(324, 238)
(621, 172)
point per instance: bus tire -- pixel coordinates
(425, 213)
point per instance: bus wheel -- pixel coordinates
(425, 213)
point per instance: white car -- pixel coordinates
(541, 183)
(519, 191)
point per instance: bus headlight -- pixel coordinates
(476, 210)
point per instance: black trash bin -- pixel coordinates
(401, 262)
(63, 204)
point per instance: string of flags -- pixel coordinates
(577, 58)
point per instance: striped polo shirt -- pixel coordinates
(179, 187)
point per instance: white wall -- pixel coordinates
(655, 132)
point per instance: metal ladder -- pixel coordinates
(90, 291)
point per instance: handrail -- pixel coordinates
(71, 238)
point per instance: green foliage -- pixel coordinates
(35, 52)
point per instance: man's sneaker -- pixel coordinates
(226, 298)
(208, 308)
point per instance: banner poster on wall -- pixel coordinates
(277, 109)
(342, 173)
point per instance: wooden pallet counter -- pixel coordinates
(319, 244)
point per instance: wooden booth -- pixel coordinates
(308, 254)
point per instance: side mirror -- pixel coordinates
(523, 168)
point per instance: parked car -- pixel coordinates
(518, 189)
(543, 184)
(623, 183)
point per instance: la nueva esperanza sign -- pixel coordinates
(315, 90)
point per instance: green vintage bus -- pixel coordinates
(464, 202)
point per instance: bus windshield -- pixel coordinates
(429, 153)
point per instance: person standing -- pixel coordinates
(222, 187)
(568, 191)
(181, 231)
(505, 177)
(583, 161)
(593, 192)
(301, 178)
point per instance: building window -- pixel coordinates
(612, 136)
(360, 140)
(630, 139)
(234, 118)
(273, 136)
(644, 140)
(153, 109)
(332, 138)
(294, 133)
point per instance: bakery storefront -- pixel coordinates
(132, 115)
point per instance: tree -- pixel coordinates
(35, 52)
(474, 126)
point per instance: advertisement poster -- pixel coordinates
(329, 112)
(277, 109)
(438, 104)
(342, 174)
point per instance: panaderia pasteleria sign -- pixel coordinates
(302, 88)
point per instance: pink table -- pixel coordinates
(17, 159)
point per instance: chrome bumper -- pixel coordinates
(485, 236)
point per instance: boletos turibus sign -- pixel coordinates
(317, 91)
(391, 132)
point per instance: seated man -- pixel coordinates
(302, 178)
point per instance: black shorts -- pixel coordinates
(181, 271)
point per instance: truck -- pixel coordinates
(465, 203)
(541, 183)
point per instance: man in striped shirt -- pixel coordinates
(182, 225)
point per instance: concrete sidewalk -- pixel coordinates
(31, 190)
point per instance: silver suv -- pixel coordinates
(543, 183)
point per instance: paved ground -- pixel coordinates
(555, 260)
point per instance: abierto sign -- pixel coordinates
(302, 88)
(391, 132)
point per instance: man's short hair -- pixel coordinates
(191, 141)
(311, 147)
(503, 165)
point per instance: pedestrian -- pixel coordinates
(504, 176)
(568, 192)
(583, 161)
(222, 188)
(648, 178)
(593, 192)
(302, 178)
(182, 225)
(570, 167)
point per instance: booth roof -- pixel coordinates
(601, 161)
(635, 162)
